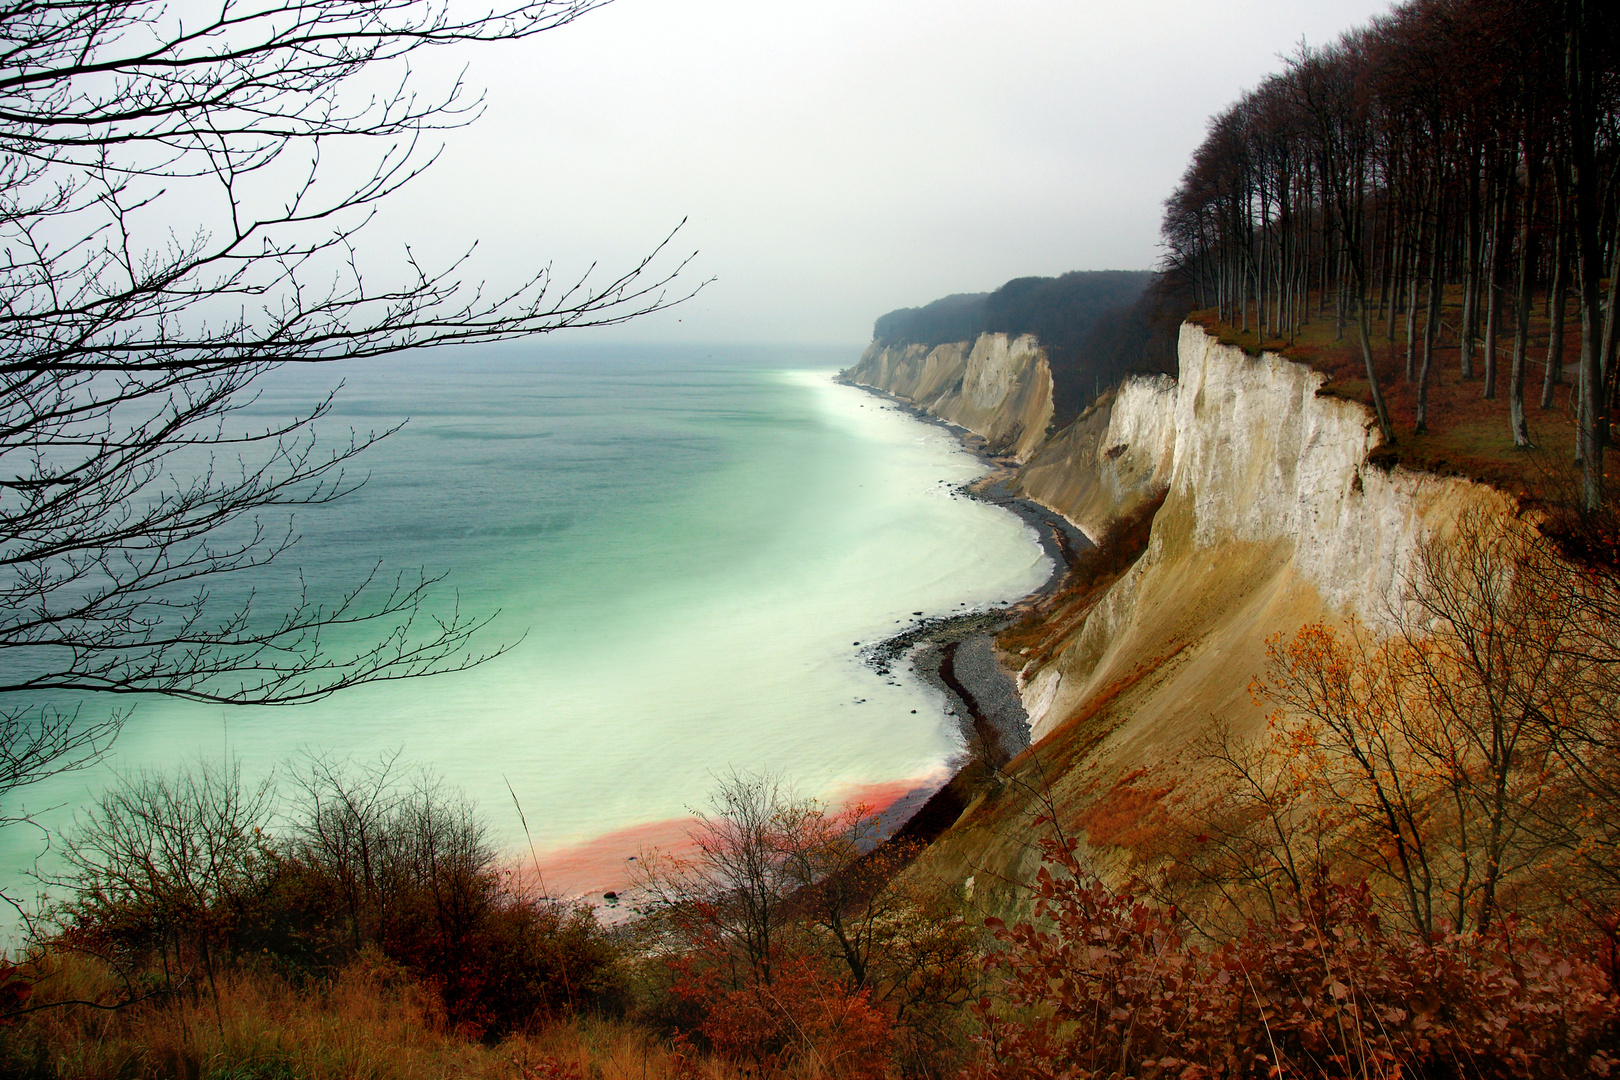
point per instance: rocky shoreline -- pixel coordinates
(957, 654)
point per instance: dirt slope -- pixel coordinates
(1272, 517)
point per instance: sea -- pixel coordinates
(683, 554)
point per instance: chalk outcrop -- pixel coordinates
(1113, 458)
(998, 387)
(1273, 516)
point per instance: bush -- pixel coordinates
(175, 874)
(167, 867)
(803, 1015)
(1105, 984)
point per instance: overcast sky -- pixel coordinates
(841, 159)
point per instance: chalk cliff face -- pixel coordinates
(1273, 516)
(1113, 458)
(999, 387)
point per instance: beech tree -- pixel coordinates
(171, 236)
(1450, 143)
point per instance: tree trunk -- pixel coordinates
(1411, 310)
(1555, 312)
(1521, 306)
(1584, 182)
(1471, 258)
(1380, 409)
(1338, 298)
(1493, 306)
(1431, 325)
(1606, 353)
(1397, 257)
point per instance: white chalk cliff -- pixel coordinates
(1273, 515)
(998, 387)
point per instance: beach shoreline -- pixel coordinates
(956, 654)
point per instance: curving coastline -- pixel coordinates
(956, 654)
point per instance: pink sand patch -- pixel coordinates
(608, 863)
(879, 798)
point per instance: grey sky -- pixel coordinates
(841, 159)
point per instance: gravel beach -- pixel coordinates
(956, 653)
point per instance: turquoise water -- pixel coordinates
(682, 546)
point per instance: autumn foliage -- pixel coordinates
(792, 940)
(1104, 983)
(802, 1014)
(179, 878)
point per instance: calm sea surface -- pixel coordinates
(683, 547)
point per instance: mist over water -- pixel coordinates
(683, 546)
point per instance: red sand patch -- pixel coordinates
(608, 862)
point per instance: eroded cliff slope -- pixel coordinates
(998, 387)
(1115, 457)
(1272, 517)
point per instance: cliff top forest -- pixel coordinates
(1095, 325)
(1426, 210)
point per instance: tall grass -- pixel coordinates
(369, 1022)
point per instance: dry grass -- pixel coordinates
(369, 1023)
(1131, 815)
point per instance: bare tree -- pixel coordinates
(732, 885)
(347, 830)
(138, 510)
(167, 863)
(1464, 763)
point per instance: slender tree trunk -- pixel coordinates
(1493, 306)
(1583, 178)
(1521, 306)
(1398, 283)
(1580, 88)
(1380, 409)
(1285, 288)
(1243, 295)
(1606, 367)
(1431, 325)
(1471, 258)
(1411, 311)
(1389, 281)
(1322, 293)
(1556, 302)
(1339, 298)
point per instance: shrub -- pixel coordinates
(803, 1015)
(175, 874)
(1105, 984)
